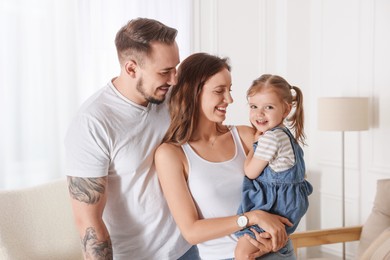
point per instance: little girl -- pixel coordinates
(274, 169)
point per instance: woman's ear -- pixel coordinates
(131, 68)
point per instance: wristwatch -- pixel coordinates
(242, 221)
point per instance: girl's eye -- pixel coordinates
(269, 107)
(252, 106)
(164, 72)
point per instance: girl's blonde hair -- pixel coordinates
(290, 94)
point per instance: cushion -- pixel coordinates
(37, 223)
(379, 218)
(380, 248)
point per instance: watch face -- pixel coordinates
(242, 221)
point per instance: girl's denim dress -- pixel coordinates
(283, 193)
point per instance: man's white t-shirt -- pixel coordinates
(113, 136)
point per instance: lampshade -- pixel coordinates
(343, 113)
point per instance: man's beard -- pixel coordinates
(149, 98)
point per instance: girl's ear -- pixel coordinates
(131, 68)
(287, 110)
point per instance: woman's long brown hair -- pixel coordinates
(193, 73)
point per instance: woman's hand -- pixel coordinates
(262, 242)
(272, 224)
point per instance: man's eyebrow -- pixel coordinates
(170, 68)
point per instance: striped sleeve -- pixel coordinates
(267, 147)
(275, 147)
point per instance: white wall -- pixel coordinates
(47, 69)
(328, 48)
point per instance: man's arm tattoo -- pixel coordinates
(88, 190)
(94, 249)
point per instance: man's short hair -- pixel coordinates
(133, 40)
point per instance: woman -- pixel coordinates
(200, 164)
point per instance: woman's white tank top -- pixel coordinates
(216, 189)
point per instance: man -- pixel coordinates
(117, 202)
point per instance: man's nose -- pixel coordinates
(172, 78)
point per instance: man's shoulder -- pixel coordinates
(95, 100)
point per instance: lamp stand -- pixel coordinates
(343, 185)
(343, 114)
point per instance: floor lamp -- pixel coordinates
(343, 114)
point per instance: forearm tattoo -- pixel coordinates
(88, 190)
(95, 249)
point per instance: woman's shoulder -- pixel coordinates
(168, 152)
(246, 134)
(170, 159)
(165, 148)
(245, 131)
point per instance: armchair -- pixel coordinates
(373, 236)
(37, 223)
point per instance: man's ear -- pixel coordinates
(131, 68)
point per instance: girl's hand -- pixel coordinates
(257, 135)
(273, 224)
